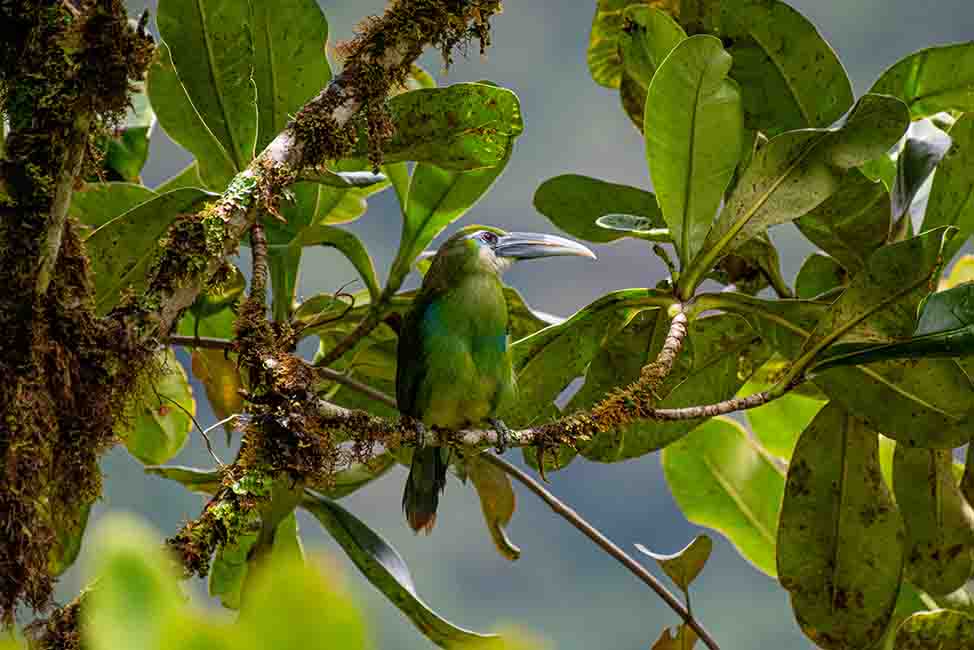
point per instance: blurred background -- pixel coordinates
(563, 588)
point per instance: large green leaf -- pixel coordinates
(192, 478)
(647, 38)
(292, 604)
(437, 197)
(951, 200)
(790, 77)
(575, 204)
(721, 479)
(852, 223)
(796, 171)
(69, 531)
(233, 562)
(136, 596)
(128, 148)
(840, 539)
(214, 57)
(189, 176)
(693, 128)
(723, 352)
(461, 127)
(932, 80)
(604, 60)
(160, 416)
(123, 249)
(385, 569)
(290, 64)
(98, 203)
(181, 122)
(939, 521)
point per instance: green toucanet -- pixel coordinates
(454, 362)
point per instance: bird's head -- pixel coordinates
(487, 249)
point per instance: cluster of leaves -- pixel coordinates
(749, 121)
(136, 603)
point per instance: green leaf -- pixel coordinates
(296, 605)
(840, 548)
(819, 274)
(69, 531)
(684, 566)
(721, 479)
(693, 128)
(647, 37)
(951, 200)
(461, 127)
(497, 502)
(136, 598)
(923, 149)
(181, 122)
(192, 478)
(290, 64)
(778, 423)
(723, 353)
(943, 629)
(939, 521)
(233, 563)
(576, 203)
(349, 245)
(437, 197)
(122, 250)
(796, 171)
(214, 59)
(790, 77)
(228, 571)
(128, 149)
(221, 380)
(385, 569)
(98, 203)
(932, 80)
(159, 417)
(852, 223)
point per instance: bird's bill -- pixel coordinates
(529, 245)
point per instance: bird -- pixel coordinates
(454, 358)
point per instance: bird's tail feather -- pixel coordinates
(427, 478)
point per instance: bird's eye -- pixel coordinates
(489, 238)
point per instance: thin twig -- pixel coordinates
(258, 248)
(204, 432)
(365, 389)
(563, 510)
(204, 342)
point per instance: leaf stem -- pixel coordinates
(571, 516)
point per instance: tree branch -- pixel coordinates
(378, 59)
(260, 271)
(567, 513)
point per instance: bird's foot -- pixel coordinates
(503, 434)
